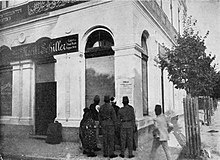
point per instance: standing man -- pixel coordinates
(117, 128)
(94, 107)
(108, 121)
(161, 129)
(126, 116)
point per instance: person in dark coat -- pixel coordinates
(126, 116)
(117, 128)
(94, 107)
(87, 133)
(107, 117)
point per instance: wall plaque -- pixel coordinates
(125, 88)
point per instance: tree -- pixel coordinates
(188, 66)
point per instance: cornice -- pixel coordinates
(29, 25)
(57, 13)
(148, 14)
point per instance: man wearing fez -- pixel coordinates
(108, 121)
(126, 117)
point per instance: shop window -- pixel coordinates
(4, 4)
(99, 55)
(6, 92)
(145, 72)
(45, 73)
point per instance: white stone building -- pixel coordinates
(56, 56)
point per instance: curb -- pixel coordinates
(24, 157)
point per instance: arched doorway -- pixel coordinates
(100, 79)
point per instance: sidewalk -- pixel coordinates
(210, 136)
(37, 149)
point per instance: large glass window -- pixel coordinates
(99, 78)
(99, 55)
(6, 93)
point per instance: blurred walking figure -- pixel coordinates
(126, 116)
(162, 127)
(87, 133)
(108, 121)
(94, 107)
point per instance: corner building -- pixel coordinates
(57, 55)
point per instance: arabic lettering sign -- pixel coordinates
(34, 8)
(46, 47)
(38, 7)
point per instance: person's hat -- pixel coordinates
(125, 99)
(96, 98)
(106, 98)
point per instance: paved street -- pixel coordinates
(26, 149)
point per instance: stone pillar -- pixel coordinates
(128, 65)
(16, 93)
(69, 74)
(22, 93)
(27, 93)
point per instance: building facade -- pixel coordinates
(57, 55)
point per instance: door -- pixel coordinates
(45, 106)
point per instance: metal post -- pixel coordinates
(162, 89)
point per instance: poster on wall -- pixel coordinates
(125, 88)
(6, 94)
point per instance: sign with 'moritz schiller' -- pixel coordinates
(45, 47)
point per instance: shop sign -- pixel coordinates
(39, 7)
(46, 47)
(34, 8)
(12, 15)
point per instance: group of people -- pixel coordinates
(116, 124)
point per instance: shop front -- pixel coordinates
(55, 61)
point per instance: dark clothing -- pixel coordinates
(127, 138)
(95, 113)
(116, 108)
(108, 120)
(108, 140)
(107, 115)
(126, 116)
(117, 128)
(88, 132)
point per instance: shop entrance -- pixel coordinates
(45, 106)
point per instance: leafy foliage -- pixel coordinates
(188, 66)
